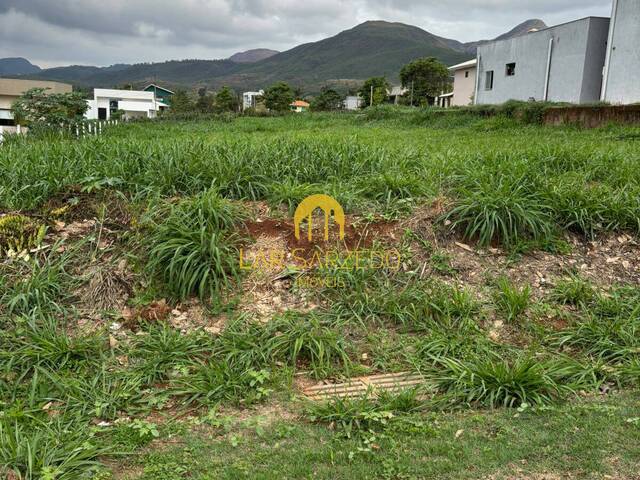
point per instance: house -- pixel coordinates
(12, 89)
(299, 106)
(395, 93)
(162, 94)
(250, 99)
(621, 83)
(561, 64)
(134, 104)
(464, 85)
(352, 102)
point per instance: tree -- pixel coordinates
(380, 88)
(36, 106)
(278, 97)
(181, 102)
(226, 100)
(328, 100)
(205, 102)
(428, 78)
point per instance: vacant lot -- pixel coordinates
(134, 344)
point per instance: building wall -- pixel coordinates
(623, 78)
(578, 52)
(464, 87)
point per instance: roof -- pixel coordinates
(16, 87)
(467, 64)
(396, 91)
(159, 88)
(299, 103)
(445, 95)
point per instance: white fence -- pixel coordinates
(91, 127)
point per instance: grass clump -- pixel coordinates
(193, 250)
(573, 291)
(494, 382)
(353, 416)
(309, 338)
(500, 209)
(510, 300)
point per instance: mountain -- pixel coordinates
(17, 66)
(374, 48)
(523, 28)
(252, 56)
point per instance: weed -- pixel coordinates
(573, 291)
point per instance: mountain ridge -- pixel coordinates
(372, 48)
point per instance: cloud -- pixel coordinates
(100, 32)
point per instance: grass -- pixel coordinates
(89, 392)
(510, 300)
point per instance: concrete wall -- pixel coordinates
(578, 51)
(464, 87)
(623, 77)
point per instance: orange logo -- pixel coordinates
(328, 205)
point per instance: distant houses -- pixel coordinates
(250, 99)
(130, 104)
(161, 93)
(299, 106)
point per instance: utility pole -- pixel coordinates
(371, 97)
(412, 93)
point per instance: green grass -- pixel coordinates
(83, 392)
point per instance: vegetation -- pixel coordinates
(133, 345)
(374, 91)
(327, 101)
(278, 97)
(426, 78)
(38, 107)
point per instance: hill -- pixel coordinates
(252, 56)
(374, 48)
(17, 66)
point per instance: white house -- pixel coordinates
(464, 84)
(352, 102)
(134, 104)
(250, 99)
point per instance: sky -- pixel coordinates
(105, 32)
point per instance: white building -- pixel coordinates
(352, 102)
(464, 84)
(250, 99)
(134, 104)
(621, 84)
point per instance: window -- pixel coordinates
(488, 82)
(511, 69)
(466, 74)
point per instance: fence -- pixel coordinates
(79, 130)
